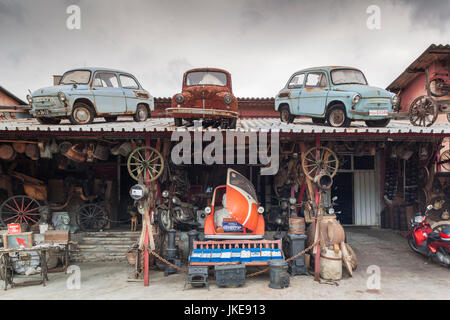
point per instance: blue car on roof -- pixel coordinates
(86, 93)
(336, 96)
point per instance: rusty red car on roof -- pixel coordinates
(206, 95)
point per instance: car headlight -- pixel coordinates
(179, 98)
(165, 194)
(418, 219)
(228, 99)
(208, 210)
(62, 97)
(283, 205)
(331, 211)
(356, 98)
(29, 98)
(260, 210)
(395, 100)
(176, 201)
(292, 201)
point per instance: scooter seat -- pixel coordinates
(445, 233)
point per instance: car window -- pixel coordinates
(206, 78)
(241, 182)
(128, 82)
(297, 81)
(76, 76)
(348, 76)
(316, 79)
(106, 80)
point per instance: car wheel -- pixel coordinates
(285, 115)
(48, 120)
(141, 113)
(82, 113)
(178, 122)
(377, 123)
(337, 117)
(111, 119)
(318, 120)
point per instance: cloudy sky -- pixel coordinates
(261, 42)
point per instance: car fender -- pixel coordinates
(281, 102)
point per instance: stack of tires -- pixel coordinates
(411, 180)
(391, 178)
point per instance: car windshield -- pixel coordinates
(76, 76)
(206, 77)
(348, 76)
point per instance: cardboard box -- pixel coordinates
(16, 240)
(57, 236)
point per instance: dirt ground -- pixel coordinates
(404, 275)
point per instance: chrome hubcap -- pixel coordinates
(337, 118)
(81, 115)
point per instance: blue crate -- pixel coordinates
(236, 255)
(196, 255)
(215, 255)
(255, 254)
(266, 254)
(206, 255)
(225, 256)
(276, 254)
(245, 255)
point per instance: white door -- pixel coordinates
(367, 198)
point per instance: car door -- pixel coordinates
(314, 94)
(130, 87)
(295, 87)
(241, 200)
(108, 95)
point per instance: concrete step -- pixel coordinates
(108, 240)
(114, 234)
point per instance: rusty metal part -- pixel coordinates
(76, 153)
(7, 152)
(145, 164)
(445, 160)
(101, 152)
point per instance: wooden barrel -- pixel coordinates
(19, 147)
(297, 225)
(32, 151)
(7, 152)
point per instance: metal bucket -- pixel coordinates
(101, 152)
(7, 152)
(125, 149)
(330, 264)
(279, 278)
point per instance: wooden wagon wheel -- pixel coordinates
(92, 217)
(319, 159)
(445, 160)
(438, 88)
(145, 164)
(423, 111)
(20, 209)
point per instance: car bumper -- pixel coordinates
(387, 114)
(50, 112)
(182, 112)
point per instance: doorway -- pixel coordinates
(343, 190)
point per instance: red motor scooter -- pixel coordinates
(423, 240)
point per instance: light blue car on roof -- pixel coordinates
(86, 93)
(335, 95)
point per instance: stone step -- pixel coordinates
(114, 234)
(108, 240)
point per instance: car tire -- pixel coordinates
(285, 115)
(48, 120)
(111, 119)
(178, 122)
(337, 117)
(82, 113)
(141, 113)
(318, 120)
(377, 123)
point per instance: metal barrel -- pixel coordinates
(297, 225)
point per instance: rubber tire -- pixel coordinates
(140, 108)
(161, 224)
(178, 122)
(345, 123)
(48, 120)
(86, 106)
(377, 123)
(111, 119)
(290, 116)
(318, 120)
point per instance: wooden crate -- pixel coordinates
(10, 240)
(230, 244)
(57, 236)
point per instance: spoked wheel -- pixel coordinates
(438, 87)
(423, 111)
(20, 209)
(92, 217)
(445, 160)
(145, 164)
(319, 159)
(165, 221)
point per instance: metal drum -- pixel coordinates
(297, 225)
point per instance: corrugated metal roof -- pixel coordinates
(300, 126)
(433, 53)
